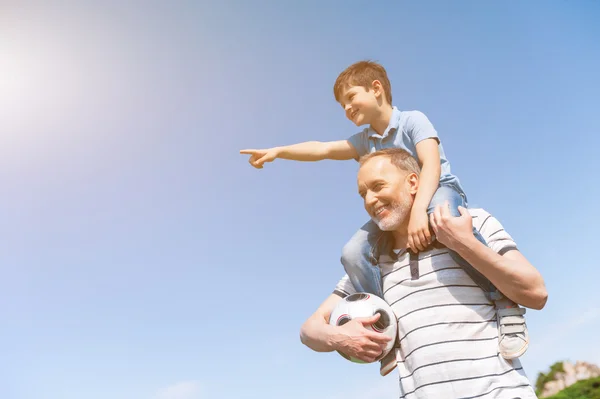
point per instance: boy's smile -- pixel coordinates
(360, 104)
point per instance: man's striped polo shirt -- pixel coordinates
(447, 327)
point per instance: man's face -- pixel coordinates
(387, 191)
(360, 104)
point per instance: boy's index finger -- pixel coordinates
(249, 152)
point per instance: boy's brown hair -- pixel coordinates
(363, 73)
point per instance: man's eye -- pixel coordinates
(378, 186)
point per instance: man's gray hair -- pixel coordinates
(399, 157)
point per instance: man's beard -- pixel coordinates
(397, 214)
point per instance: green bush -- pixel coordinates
(585, 389)
(544, 378)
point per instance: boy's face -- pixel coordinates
(360, 104)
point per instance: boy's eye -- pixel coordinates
(378, 186)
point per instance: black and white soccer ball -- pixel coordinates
(366, 305)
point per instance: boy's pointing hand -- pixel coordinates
(259, 157)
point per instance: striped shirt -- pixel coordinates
(447, 327)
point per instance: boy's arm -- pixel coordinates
(429, 180)
(309, 151)
(431, 169)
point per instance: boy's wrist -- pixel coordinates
(277, 151)
(419, 208)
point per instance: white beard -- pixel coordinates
(396, 216)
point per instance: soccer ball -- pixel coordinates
(366, 305)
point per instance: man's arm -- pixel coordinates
(511, 272)
(352, 338)
(316, 332)
(309, 151)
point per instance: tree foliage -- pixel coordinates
(542, 378)
(584, 389)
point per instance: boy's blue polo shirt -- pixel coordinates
(405, 130)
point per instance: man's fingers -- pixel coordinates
(367, 321)
(437, 214)
(433, 223)
(379, 338)
(374, 354)
(445, 210)
(248, 152)
(463, 211)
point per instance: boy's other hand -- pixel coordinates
(419, 236)
(259, 157)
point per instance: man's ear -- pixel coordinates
(413, 182)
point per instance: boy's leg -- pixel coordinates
(512, 330)
(359, 259)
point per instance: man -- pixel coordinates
(447, 329)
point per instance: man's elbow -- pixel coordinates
(538, 298)
(303, 334)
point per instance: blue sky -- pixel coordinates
(143, 258)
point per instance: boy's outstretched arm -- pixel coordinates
(309, 151)
(429, 180)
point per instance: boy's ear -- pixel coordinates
(377, 88)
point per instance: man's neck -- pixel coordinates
(401, 238)
(382, 121)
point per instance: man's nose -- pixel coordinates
(370, 200)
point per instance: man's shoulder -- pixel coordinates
(478, 212)
(479, 216)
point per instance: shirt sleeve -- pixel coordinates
(344, 287)
(360, 142)
(493, 232)
(419, 127)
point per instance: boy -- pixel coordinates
(364, 92)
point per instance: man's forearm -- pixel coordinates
(511, 273)
(318, 335)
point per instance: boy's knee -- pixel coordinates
(350, 253)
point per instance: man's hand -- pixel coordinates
(259, 157)
(451, 231)
(419, 236)
(361, 343)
